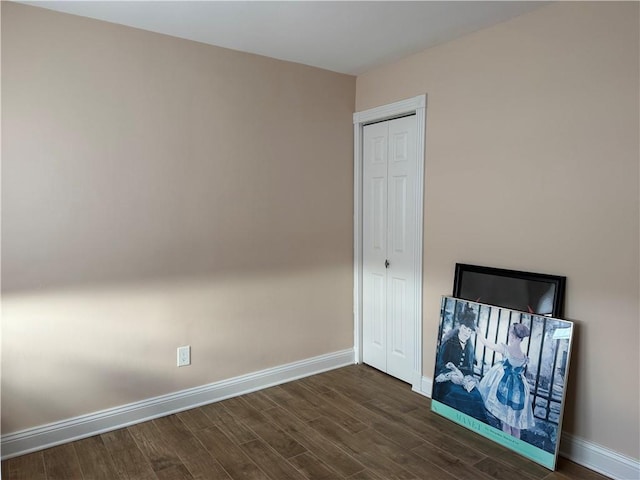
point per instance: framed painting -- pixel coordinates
(525, 291)
(503, 374)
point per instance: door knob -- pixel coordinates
(386, 264)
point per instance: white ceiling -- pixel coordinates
(345, 36)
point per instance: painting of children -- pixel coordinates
(504, 388)
(502, 373)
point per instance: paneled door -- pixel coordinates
(388, 226)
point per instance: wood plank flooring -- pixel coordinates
(351, 423)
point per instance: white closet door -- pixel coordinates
(400, 247)
(389, 171)
(374, 239)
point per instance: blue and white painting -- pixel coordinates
(503, 374)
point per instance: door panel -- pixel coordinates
(397, 314)
(400, 251)
(378, 214)
(399, 214)
(374, 249)
(389, 170)
(378, 320)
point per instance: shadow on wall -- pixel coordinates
(73, 351)
(571, 396)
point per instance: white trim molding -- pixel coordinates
(409, 106)
(598, 458)
(425, 387)
(588, 454)
(38, 438)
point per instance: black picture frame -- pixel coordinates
(529, 292)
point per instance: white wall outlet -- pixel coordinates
(184, 356)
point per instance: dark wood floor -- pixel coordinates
(352, 423)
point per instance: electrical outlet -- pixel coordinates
(184, 356)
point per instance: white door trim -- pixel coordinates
(415, 105)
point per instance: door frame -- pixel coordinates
(415, 105)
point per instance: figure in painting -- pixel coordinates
(454, 383)
(504, 388)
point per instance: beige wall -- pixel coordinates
(158, 192)
(532, 164)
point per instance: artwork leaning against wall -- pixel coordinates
(537, 293)
(503, 374)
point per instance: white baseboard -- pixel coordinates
(38, 438)
(601, 459)
(588, 454)
(424, 387)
